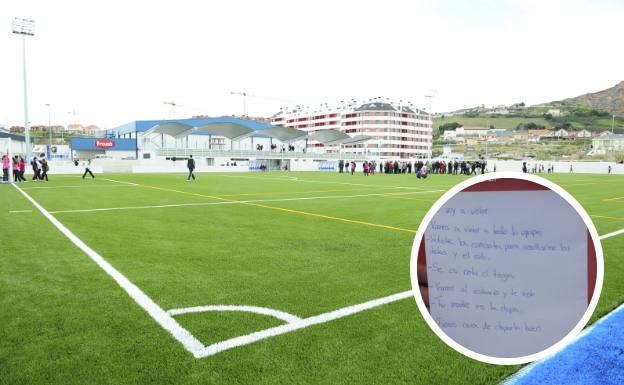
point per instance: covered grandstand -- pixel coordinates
(229, 139)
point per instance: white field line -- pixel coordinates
(514, 378)
(167, 322)
(240, 202)
(297, 179)
(285, 178)
(287, 317)
(315, 320)
(613, 234)
(20, 211)
(296, 325)
(119, 181)
(83, 186)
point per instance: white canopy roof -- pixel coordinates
(231, 131)
(328, 136)
(356, 139)
(176, 130)
(284, 134)
(234, 131)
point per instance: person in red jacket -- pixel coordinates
(22, 169)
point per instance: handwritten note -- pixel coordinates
(507, 270)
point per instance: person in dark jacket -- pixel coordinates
(35, 166)
(87, 166)
(190, 164)
(44, 169)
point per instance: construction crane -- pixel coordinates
(173, 107)
(430, 96)
(245, 95)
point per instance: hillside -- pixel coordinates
(591, 111)
(610, 100)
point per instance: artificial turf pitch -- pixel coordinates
(64, 320)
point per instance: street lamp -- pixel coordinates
(25, 27)
(244, 95)
(49, 124)
(173, 107)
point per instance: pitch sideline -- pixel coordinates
(165, 320)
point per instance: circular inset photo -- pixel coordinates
(506, 268)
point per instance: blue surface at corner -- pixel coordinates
(596, 358)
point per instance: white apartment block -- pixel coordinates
(396, 130)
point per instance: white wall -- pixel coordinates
(162, 165)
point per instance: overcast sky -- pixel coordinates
(117, 61)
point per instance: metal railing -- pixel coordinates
(258, 154)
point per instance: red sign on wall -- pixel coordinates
(104, 143)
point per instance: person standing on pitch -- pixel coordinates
(190, 164)
(22, 169)
(15, 162)
(87, 167)
(5, 168)
(35, 166)
(44, 169)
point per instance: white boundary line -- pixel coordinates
(83, 186)
(297, 179)
(122, 182)
(287, 317)
(156, 312)
(240, 202)
(303, 323)
(613, 234)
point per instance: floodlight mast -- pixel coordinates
(173, 107)
(25, 27)
(244, 95)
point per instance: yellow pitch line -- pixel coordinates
(289, 210)
(333, 218)
(612, 199)
(607, 217)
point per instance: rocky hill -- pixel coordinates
(610, 100)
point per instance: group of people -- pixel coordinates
(368, 167)
(420, 168)
(539, 168)
(39, 166)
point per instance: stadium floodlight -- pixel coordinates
(25, 27)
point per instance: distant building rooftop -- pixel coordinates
(610, 137)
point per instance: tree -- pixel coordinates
(448, 127)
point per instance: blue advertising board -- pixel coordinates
(103, 144)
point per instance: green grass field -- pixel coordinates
(301, 243)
